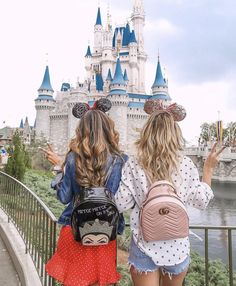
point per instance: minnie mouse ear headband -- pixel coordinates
(178, 112)
(79, 109)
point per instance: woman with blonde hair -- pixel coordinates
(160, 157)
(94, 161)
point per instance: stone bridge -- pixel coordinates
(226, 169)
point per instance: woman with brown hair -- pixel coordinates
(93, 153)
(160, 158)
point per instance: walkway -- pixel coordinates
(8, 275)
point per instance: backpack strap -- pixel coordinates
(110, 170)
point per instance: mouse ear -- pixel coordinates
(152, 105)
(177, 111)
(79, 109)
(103, 104)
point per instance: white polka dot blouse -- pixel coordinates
(132, 192)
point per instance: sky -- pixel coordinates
(195, 39)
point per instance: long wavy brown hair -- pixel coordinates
(96, 139)
(159, 146)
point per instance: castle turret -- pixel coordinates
(119, 99)
(160, 87)
(44, 103)
(98, 33)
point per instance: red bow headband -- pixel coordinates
(80, 108)
(178, 112)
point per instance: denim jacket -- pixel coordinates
(67, 186)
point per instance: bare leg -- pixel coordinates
(177, 280)
(145, 279)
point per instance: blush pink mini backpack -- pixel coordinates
(163, 215)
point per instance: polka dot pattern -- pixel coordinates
(77, 265)
(132, 192)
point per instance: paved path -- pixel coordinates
(8, 275)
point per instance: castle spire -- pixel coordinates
(109, 76)
(99, 19)
(125, 76)
(46, 83)
(118, 76)
(88, 53)
(21, 124)
(159, 79)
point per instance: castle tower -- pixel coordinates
(44, 103)
(138, 19)
(107, 56)
(133, 62)
(98, 33)
(160, 87)
(120, 100)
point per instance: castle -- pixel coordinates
(115, 68)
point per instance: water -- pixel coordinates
(221, 211)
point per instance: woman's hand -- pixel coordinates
(51, 156)
(210, 163)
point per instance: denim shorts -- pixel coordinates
(143, 263)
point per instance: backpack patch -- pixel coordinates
(95, 216)
(163, 215)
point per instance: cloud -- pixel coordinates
(162, 27)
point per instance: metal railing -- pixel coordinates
(229, 230)
(34, 221)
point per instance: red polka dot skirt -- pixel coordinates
(76, 265)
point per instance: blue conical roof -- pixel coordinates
(88, 54)
(159, 79)
(46, 84)
(109, 77)
(132, 37)
(126, 35)
(99, 20)
(118, 76)
(125, 75)
(21, 124)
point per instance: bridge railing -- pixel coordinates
(34, 221)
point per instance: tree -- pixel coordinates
(18, 158)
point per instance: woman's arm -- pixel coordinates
(62, 182)
(124, 197)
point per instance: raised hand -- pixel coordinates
(213, 157)
(51, 156)
(210, 163)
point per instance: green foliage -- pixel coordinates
(18, 160)
(39, 162)
(217, 272)
(39, 182)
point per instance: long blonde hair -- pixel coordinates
(96, 139)
(159, 146)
